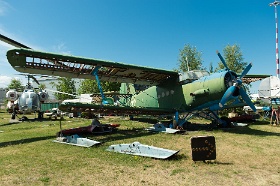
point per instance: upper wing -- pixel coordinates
(253, 77)
(37, 62)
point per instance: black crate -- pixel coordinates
(203, 148)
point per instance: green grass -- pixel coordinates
(245, 156)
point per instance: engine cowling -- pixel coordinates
(43, 96)
(12, 95)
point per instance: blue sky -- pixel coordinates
(142, 32)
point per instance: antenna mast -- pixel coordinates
(275, 3)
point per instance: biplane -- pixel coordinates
(147, 90)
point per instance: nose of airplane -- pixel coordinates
(236, 89)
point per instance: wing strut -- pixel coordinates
(95, 73)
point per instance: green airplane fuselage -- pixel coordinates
(201, 93)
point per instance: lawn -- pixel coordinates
(245, 156)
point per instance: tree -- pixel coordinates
(90, 86)
(110, 86)
(16, 84)
(65, 85)
(42, 86)
(234, 59)
(190, 59)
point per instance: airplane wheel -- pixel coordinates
(175, 124)
(24, 118)
(227, 122)
(40, 115)
(59, 134)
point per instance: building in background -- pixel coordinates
(2, 97)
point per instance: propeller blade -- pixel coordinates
(34, 79)
(246, 98)
(222, 59)
(227, 95)
(246, 70)
(12, 42)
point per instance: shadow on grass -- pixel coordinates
(237, 130)
(123, 134)
(8, 124)
(146, 120)
(177, 157)
(215, 162)
(29, 120)
(23, 141)
(260, 122)
(250, 131)
(211, 162)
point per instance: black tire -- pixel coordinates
(40, 115)
(13, 116)
(227, 122)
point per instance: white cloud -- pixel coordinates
(7, 73)
(6, 80)
(61, 48)
(4, 7)
(5, 67)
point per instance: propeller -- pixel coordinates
(34, 79)
(12, 42)
(237, 88)
(231, 77)
(30, 76)
(222, 59)
(245, 71)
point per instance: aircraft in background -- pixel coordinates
(28, 101)
(152, 91)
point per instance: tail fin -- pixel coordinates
(126, 88)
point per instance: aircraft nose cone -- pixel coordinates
(239, 82)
